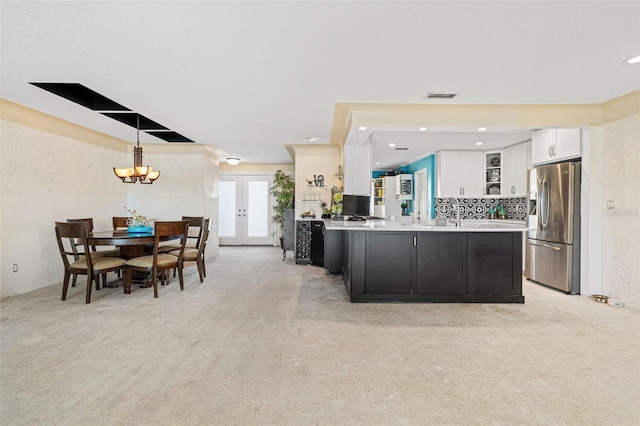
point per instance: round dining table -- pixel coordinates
(130, 244)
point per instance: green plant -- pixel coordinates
(283, 190)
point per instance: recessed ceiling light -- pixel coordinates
(482, 129)
(479, 143)
(362, 128)
(391, 145)
(422, 129)
(310, 139)
(631, 61)
(377, 163)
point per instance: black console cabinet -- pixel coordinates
(310, 242)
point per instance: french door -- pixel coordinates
(244, 210)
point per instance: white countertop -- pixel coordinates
(466, 226)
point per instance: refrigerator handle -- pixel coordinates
(545, 246)
(543, 217)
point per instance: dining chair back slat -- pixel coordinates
(197, 254)
(195, 230)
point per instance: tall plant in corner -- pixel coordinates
(283, 190)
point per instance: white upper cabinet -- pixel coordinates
(553, 145)
(516, 165)
(459, 174)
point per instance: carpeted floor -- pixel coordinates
(263, 341)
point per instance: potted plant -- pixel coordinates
(283, 190)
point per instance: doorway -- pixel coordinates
(422, 202)
(244, 207)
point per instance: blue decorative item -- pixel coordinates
(140, 229)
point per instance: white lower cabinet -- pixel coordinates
(459, 174)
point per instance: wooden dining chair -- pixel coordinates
(94, 252)
(77, 258)
(110, 252)
(193, 254)
(194, 235)
(120, 222)
(159, 263)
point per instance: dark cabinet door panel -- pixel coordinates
(390, 262)
(495, 263)
(441, 263)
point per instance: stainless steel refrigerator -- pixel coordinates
(552, 253)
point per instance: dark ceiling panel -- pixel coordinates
(76, 92)
(130, 119)
(170, 136)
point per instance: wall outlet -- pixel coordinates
(611, 205)
(15, 267)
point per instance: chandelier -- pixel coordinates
(139, 173)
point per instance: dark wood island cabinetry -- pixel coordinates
(411, 265)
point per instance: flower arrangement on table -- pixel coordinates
(336, 198)
(139, 223)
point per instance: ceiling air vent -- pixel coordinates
(402, 149)
(440, 95)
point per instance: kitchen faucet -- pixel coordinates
(455, 202)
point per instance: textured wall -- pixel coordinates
(621, 225)
(47, 178)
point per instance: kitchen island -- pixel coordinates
(479, 261)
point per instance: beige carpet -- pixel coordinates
(263, 341)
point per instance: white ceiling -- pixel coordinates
(250, 77)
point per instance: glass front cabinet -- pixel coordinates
(493, 161)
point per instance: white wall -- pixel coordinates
(316, 160)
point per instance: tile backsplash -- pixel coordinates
(478, 208)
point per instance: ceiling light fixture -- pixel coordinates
(631, 61)
(391, 145)
(422, 129)
(362, 128)
(482, 129)
(138, 173)
(479, 143)
(440, 95)
(233, 161)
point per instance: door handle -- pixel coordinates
(546, 246)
